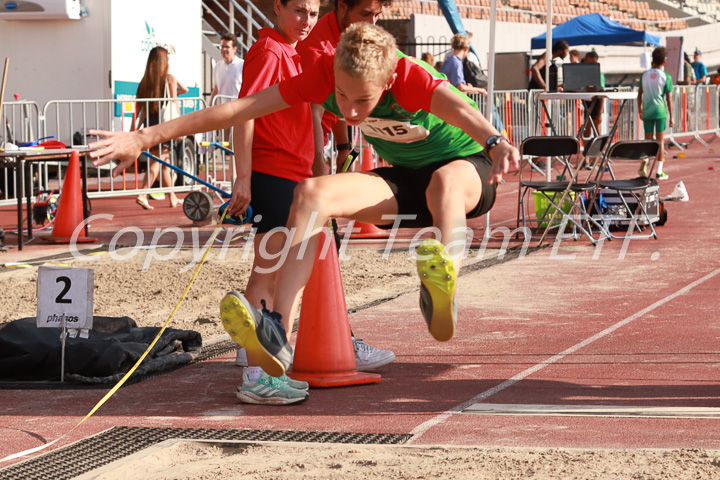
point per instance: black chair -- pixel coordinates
(566, 192)
(632, 191)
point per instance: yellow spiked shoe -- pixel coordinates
(261, 333)
(437, 289)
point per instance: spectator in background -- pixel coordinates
(688, 72)
(155, 82)
(471, 57)
(453, 66)
(575, 56)
(428, 58)
(596, 111)
(655, 107)
(227, 75)
(699, 68)
(537, 71)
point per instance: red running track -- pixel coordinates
(627, 324)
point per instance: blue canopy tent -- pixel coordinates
(596, 29)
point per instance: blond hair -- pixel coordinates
(459, 42)
(366, 51)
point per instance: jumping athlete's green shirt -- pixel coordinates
(400, 127)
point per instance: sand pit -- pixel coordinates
(192, 460)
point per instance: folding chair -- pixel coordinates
(564, 198)
(631, 151)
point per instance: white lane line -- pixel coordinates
(418, 431)
(614, 411)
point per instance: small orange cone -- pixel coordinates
(69, 214)
(324, 355)
(368, 230)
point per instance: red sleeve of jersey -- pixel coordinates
(313, 85)
(261, 70)
(414, 86)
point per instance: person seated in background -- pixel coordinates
(537, 71)
(428, 58)
(715, 80)
(453, 66)
(575, 56)
(596, 109)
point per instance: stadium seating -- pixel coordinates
(634, 14)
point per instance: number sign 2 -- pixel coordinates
(65, 294)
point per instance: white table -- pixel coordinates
(19, 161)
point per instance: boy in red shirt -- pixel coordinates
(432, 134)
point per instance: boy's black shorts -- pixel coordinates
(409, 186)
(271, 198)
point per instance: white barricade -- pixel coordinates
(70, 120)
(20, 123)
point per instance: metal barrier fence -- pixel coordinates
(220, 166)
(566, 117)
(70, 120)
(696, 112)
(20, 124)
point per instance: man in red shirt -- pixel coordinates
(324, 40)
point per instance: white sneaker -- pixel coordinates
(368, 357)
(241, 357)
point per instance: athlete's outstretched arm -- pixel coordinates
(125, 147)
(451, 108)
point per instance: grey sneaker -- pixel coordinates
(368, 357)
(262, 334)
(268, 390)
(437, 289)
(643, 170)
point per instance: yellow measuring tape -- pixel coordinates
(140, 360)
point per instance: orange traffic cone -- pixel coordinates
(368, 230)
(324, 355)
(69, 216)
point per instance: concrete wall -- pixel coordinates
(51, 59)
(83, 59)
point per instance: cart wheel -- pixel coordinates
(663, 218)
(198, 206)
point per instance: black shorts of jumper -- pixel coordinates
(409, 186)
(271, 199)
